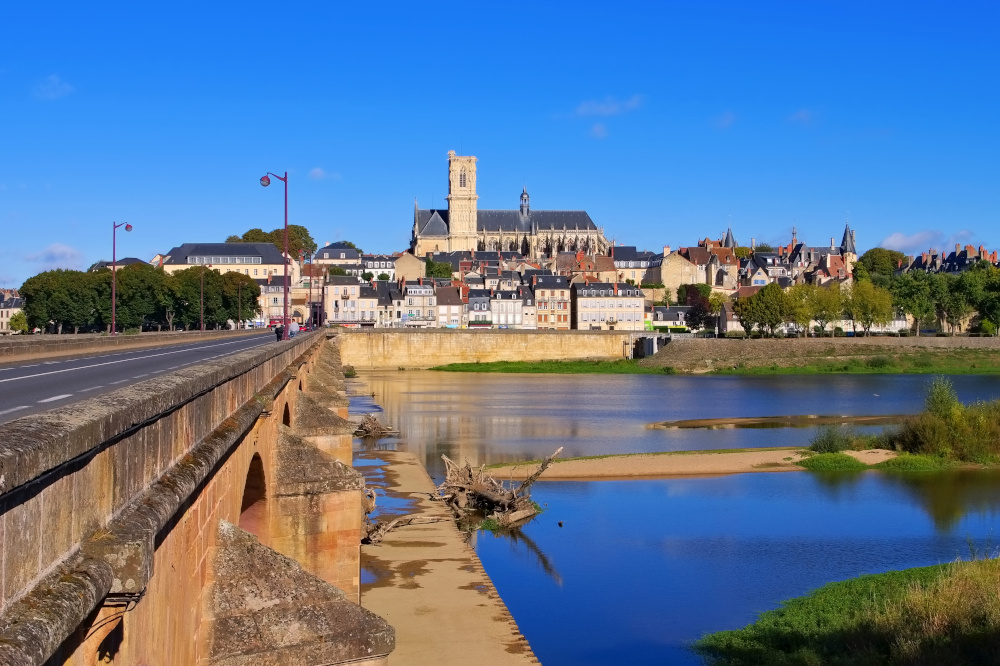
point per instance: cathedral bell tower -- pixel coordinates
(462, 229)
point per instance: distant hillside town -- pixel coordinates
(523, 269)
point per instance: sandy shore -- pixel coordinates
(794, 421)
(428, 582)
(683, 463)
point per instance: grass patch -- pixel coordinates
(833, 462)
(945, 362)
(489, 525)
(945, 614)
(619, 367)
(910, 462)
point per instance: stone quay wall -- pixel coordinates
(398, 348)
(205, 517)
(24, 347)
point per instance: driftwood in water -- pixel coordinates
(466, 489)
(370, 426)
(374, 532)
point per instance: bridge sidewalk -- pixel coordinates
(427, 582)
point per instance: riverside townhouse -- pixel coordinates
(603, 306)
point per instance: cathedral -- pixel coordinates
(533, 233)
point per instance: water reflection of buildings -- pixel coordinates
(465, 425)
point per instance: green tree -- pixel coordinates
(747, 310)
(383, 277)
(880, 261)
(798, 305)
(867, 305)
(741, 252)
(980, 286)
(950, 304)
(337, 270)
(771, 305)
(187, 291)
(911, 294)
(826, 304)
(367, 276)
(18, 322)
(439, 269)
(763, 247)
(240, 297)
(299, 238)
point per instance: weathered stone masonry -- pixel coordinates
(209, 516)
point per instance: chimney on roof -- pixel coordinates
(616, 288)
(982, 252)
(666, 250)
(958, 248)
(753, 242)
(831, 242)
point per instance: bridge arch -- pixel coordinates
(253, 508)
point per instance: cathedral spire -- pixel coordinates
(525, 208)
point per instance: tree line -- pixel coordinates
(147, 298)
(934, 301)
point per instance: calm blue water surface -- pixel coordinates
(487, 418)
(640, 569)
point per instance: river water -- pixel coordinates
(640, 569)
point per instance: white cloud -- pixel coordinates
(599, 131)
(724, 120)
(52, 87)
(56, 255)
(803, 117)
(921, 241)
(318, 173)
(609, 106)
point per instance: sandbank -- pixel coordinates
(675, 463)
(428, 583)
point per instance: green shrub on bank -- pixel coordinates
(831, 439)
(832, 462)
(350, 372)
(948, 429)
(909, 462)
(945, 614)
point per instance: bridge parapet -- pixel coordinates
(111, 508)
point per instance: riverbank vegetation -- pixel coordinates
(945, 433)
(946, 614)
(923, 362)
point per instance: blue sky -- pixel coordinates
(666, 121)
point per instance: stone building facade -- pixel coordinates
(463, 227)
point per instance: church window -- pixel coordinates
(461, 178)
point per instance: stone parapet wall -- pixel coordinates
(24, 347)
(65, 473)
(388, 348)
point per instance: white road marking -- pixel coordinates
(146, 374)
(124, 360)
(12, 409)
(173, 367)
(120, 381)
(91, 388)
(50, 362)
(56, 397)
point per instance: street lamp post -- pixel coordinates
(265, 181)
(239, 304)
(203, 296)
(114, 260)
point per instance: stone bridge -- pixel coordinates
(210, 516)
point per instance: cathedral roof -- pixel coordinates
(434, 222)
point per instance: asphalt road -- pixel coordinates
(39, 385)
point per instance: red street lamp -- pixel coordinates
(114, 260)
(265, 181)
(203, 296)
